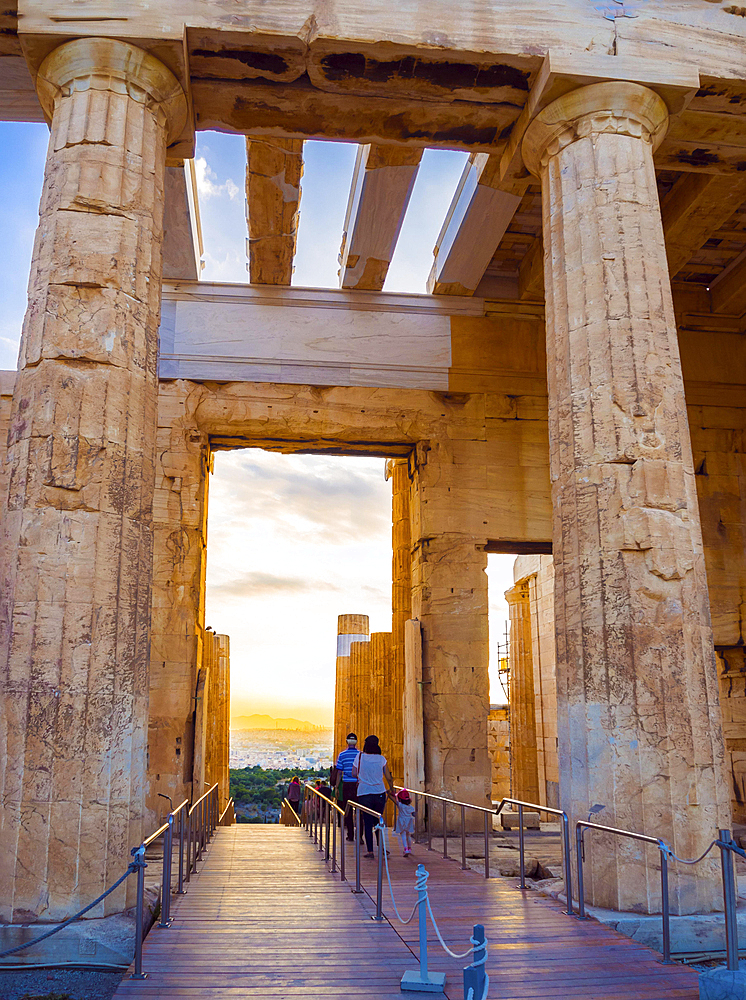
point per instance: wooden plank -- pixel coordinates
(265, 916)
(182, 232)
(476, 221)
(381, 187)
(694, 210)
(273, 172)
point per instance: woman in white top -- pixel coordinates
(371, 791)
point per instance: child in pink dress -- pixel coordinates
(404, 820)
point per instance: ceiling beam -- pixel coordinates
(477, 220)
(695, 208)
(531, 273)
(182, 231)
(728, 290)
(381, 187)
(274, 168)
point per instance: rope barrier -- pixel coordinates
(421, 877)
(133, 866)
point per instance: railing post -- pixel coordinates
(357, 852)
(188, 876)
(429, 825)
(729, 900)
(521, 847)
(445, 831)
(334, 840)
(665, 910)
(141, 866)
(416, 819)
(474, 975)
(379, 885)
(487, 831)
(567, 860)
(181, 890)
(165, 920)
(342, 854)
(328, 828)
(579, 852)
(463, 838)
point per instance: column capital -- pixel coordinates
(616, 107)
(106, 64)
(518, 593)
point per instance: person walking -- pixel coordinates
(348, 783)
(404, 820)
(372, 768)
(294, 793)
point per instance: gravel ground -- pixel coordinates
(58, 984)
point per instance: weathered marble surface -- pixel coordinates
(76, 539)
(640, 730)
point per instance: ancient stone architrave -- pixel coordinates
(639, 720)
(77, 534)
(524, 772)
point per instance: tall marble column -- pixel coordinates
(76, 544)
(401, 601)
(640, 737)
(523, 755)
(350, 628)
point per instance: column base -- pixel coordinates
(99, 941)
(720, 984)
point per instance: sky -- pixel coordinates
(293, 540)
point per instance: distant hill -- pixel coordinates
(267, 722)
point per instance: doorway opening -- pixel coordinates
(294, 540)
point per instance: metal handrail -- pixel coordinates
(463, 806)
(724, 843)
(229, 805)
(315, 827)
(288, 803)
(566, 863)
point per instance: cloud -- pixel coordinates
(266, 585)
(331, 498)
(206, 182)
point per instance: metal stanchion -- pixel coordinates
(567, 861)
(579, 851)
(445, 831)
(357, 852)
(521, 847)
(665, 909)
(140, 862)
(729, 899)
(487, 831)
(379, 886)
(165, 920)
(421, 980)
(181, 890)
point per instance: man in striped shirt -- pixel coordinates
(345, 762)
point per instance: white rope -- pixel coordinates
(421, 878)
(382, 828)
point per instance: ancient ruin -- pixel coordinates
(573, 384)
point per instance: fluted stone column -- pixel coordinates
(360, 688)
(523, 755)
(350, 628)
(223, 665)
(398, 471)
(76, 545)
(640, 736)
(381, 715)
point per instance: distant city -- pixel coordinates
(280, 743)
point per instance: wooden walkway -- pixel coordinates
(265, 918)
